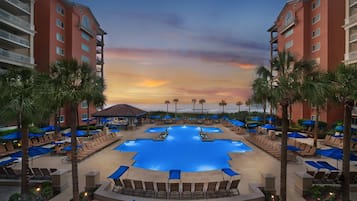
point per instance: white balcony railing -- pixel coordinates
(21, 5)
(354, 111)
(14, 38)
(14, 56)
(14, 20)
(351, 19)
(351, 56)
(353, 2)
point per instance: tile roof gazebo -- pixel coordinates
(122, 110)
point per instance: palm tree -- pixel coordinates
(75, 83)
(194, 103)
(345, 89)
(24, 97)
(239, 103)
(167, 102)
(261, 86)
(222, 103)
(248, 102)
(176, 100)
(202, 101)
(286, 89)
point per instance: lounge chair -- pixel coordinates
(174, 190)
(128, 187)
(211, 191)
(222, 188)
(233, 188)
(37, 173)
(149, 189)
(138, 188)
(332, 177)
(327, 165)
(46, 173)
(198, 191)
(186, 191)
(319, 177)
(161, 190)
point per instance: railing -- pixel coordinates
(354, 111)
(13, 19)
(14, 37)
(351, 19)
(88, 30)
(20, 4)
(353, 37)
(287, 25)
(14, 56)
(352, 2)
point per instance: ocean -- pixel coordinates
(183, 107)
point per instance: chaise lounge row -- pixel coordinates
(177, 190)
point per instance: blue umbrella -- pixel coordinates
(69, 147)
(308, 122)
(271, 119)
(269, 126)
(167, 117)
(341, 128)
(237, 123)
(335, 153)
(155, 117)
(214, 117)
(33, 151)
(256, 119)
(48, 128)
(79, 133)
(17, 135)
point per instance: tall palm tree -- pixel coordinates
(261, 87)
(24, 97)
(248, 102)
(222, 103)
(75, 83)
(286, 89)
(193, 103)
(167, 102)
(345, 89)
(239, 103)
(176, 100)
(202, 101)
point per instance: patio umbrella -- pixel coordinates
(296, 135)
(17, 136)
(256, 119)
(33, 151)
(214, 117)
(269, 126)
(272, 119)
(335, 153)
(341, 128)
(79, 133)
(308, 122)
(237, 123)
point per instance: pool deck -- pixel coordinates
(250, 165)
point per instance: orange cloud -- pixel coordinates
(152, 83)
(245, 66)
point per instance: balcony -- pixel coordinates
(287, 26)
(349, 57)
(354, 111)
(87, 30)
(8, 55)
(351, 20)
(99, 61)
(19, 4)
(353, 2)
(12, 19)
(14, 38)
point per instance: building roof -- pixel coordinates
(120, 110)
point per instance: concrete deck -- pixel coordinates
(250, 165)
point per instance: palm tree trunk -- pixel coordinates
(74, 152)
(290, 113)
(264, 112)
(284, 143)
(87, 118)
(316, 126)
(346, 150)
(25, 191)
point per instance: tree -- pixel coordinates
(344, 83)
(75, 83)
(286, 90)
(176, 100)
(261, 88)
(222, 103)
(202, 101)
(239, 103)
(24, 97)
(167, 102)
(248, 102)
(194, 103)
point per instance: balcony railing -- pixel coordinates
(20, 4)
(14, 56)
(88, 30)
(351, 56)
(287, 25)
(351, 19)
(14, 38)
(354, 111)
(353, 2)
(13, 19)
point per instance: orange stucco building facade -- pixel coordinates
(312, 30)
(67, 30)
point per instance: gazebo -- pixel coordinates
(123, 111)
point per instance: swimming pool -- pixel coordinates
(183, 149)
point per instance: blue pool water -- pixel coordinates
(183, 149)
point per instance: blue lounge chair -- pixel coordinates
(326, 165)
(119, 172)
(229, 172)
(314, 164)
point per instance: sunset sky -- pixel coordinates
(158, 50)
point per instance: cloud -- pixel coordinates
(241, 60)
(152, 83)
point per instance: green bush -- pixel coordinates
(15, 197)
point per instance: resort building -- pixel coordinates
(351, 42)
(68, 30)
(312, 30)
(16, 34)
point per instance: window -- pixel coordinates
(84, 104)
(288, 33)
(59, 23)
(61, 118)
(85, 22)
(84, 116)
(85, 59)
(289, 44)
(316, 18)
(85, 47)
(289, 18)
(316, 33)
(60, 37)
(315, 4)
(316, 47)
(59, 9)
(60, 51)
(85, 36)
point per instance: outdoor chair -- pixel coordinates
(149, 189)
(233, 188)
(186, 191)
(128, 187)
(198, 191)
(138, 188)
(161, 190)
(174, 190)
(211, 191)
